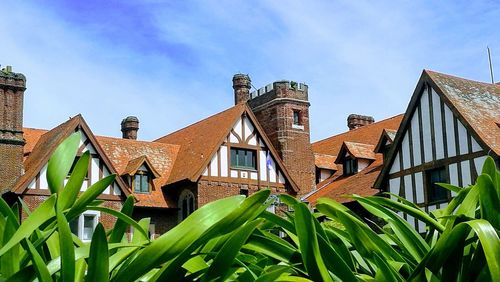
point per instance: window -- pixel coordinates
(436, 193)
(242, 158)
(297, 120)
(84, 225)
(186, 204)
(350, 166)
(141, 182)
(244, 192)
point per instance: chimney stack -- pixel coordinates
(241, 86)
(12, 86)
(355, 121)
(130, 126)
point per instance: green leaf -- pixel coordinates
(60, 162)
(40, 268)
(225, 256)
(121, 225)
(309, 248)
(9, 262)
(124, 218)
(67, 248)
(488, 197)
(40, 216)
(89, 196)
(68, 195)
(98, 263)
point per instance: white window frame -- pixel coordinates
(95, 214)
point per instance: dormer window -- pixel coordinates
(142, 182)
(350, 166)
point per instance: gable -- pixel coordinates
(244, 135)
(34, 180)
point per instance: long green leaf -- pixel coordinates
(10, 261)
(68, 195)
(40, 268)
(89, 196)
(98, 263)
(488, 197)
(60, 162)
(124, 218)
(40, 216)
(121, 225)
(67, 248)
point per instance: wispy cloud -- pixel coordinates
(171, 62)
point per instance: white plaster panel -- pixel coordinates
(408, 188)
(95, 170)
(214, 167)
(107, 190)
(419, 187)
(438, 126)
(143, 167)
(411, 220)
(83, 138)
(252, 141)
(415, 134)
(43, 178)
(395, 164)
(478, 163)
(253, 175)
(453, 169)
(466, 177)
(324, 174)
(91, 149)
(432, 208)
(443, 205)
(205, 172)
(405, 151)
(450, 132)
(262, 165)
(394, 186)
(238, 129)
(248, 128)
(105, 172)
(362, 164)
(475, 146)
(462, 139)
(281, 179)
(234, 173)
(232, 138)
(116, 190)
(224, 164)
(426, 126)
(32, 184)
(272, 171)
(421, 226)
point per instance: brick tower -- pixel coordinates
(12, 86)
(282, 109)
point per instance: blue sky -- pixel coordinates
(171, 62)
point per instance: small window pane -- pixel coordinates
(88, 226)
(73, 226)
(296, 117)
(144, 183)
(241, 158)
(436, 193)
(137, 184)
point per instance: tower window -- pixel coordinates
(243, 159)
(436, 193)
(297, 120)
(350, 166)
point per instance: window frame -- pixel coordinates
(242, 167)
(297, 119)
(436, 197)
(188, 196)
(353, 167)
(80, 221)
(142, 174)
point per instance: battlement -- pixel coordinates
(292, 85)
(8, 78)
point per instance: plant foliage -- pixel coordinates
(237, 239)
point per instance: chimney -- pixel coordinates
(130, 126)
(355, 121)
(241, 86)
(12, 87)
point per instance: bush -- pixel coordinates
(237, 239)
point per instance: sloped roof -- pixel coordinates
(198, 141)
(387, 135)
(477, 102)
(47, 142)
(368, 134)
(161, 157)
(325, 161)
(338, 187)
(134, 165)
(357, 150)
(31, 136)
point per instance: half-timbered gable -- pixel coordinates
(449, 128)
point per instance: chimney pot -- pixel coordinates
(241, 86)
(355, 121)
(130, 126)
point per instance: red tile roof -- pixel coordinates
(357, 150)
(477, 102)
(127, 152)
(325, 161)
(31, 136)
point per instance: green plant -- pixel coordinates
(237, 239)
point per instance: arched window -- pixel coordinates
(186, 204)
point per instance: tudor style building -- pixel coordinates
(226, 154)
(449, 127)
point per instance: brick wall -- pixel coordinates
(163, 219)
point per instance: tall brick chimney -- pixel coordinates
(12, 87)
(130, 126)
(354, 121)
(241, 86)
